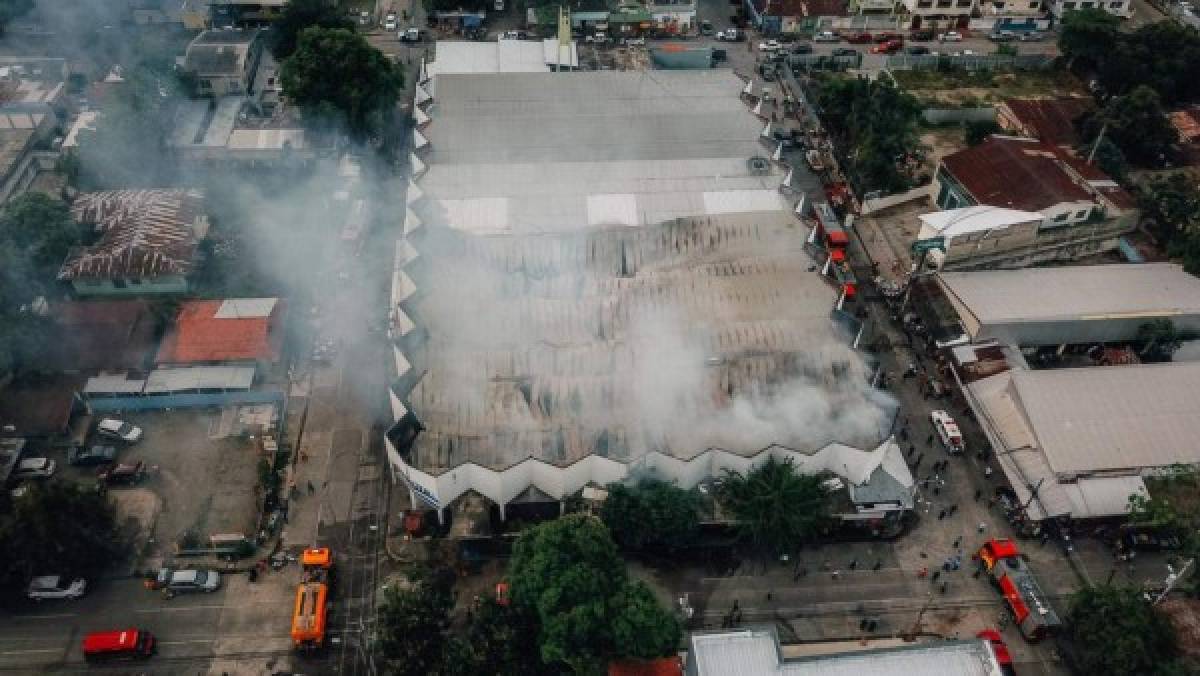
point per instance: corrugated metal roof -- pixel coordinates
(163, 381)
(245, 308)
(756, 652)
(1114, 417)
(1083, 292)
(143, 234)
(1051, 120)
(954, 222)
(1014, 172)
(113, 383)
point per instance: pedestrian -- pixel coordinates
(936, 575)
(929, 440)
(976, 573)
(987, 472)
(937, 490)
(903, 434)
(878, 565)
(911, 448)
(836, 573)
(978, 493)
(311, 488)
(944, 584)
(982, 526)
(768, 597)
(853, 564)
(953, 509)
(735, 605)
(941, 515)
(958, 542)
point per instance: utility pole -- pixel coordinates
(1096, 143)
(1173, 578)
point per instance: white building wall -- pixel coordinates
(1121, 8)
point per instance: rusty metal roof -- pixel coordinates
(143, 234)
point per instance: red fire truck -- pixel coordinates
(1011, 575)
(834, 238)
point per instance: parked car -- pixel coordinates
(35, 468)
(889, 47)
(706, 28)
(119, 429)
(916, 50)
(364, 18)
(769, 46)
(827, 36)
(124, 474)
(411, 35)
(634, 42)
(860, 38)
(1002, 36)
(1032, 36)
(597, 38)
(921, 35)
(56, 587)
(887, 36)
(173, 582)
(947, 431)
(950, 36)
(719, 55)
(1151, 541)
(999, 648)
(801, 48)
(844, 51)
(389, 24)
(731, 35)
(93, 455)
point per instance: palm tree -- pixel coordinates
(776, 508)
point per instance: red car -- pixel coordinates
(889, 47)
(860, 38)
(1003, 657)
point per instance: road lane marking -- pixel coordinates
(179, 609)
(198, 640)
(45, 617)
(31, 650)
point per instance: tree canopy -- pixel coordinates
(1087, 34)
(337, 77)
(1173, 205)
(41, 228)
(651, 514)
(55, 527)
(11, 9)
(300, 14)
(776, 507)
(1137, 123)
(568, 572)
(413, 628)
(1113, 630)
(1163, 55)
(876, 123)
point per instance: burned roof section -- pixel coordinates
(143, 233)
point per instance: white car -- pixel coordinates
(827, 36)
(769, 46)
(947, 430)
(119, 429)
(390, 24)
(599, 37)
(55, 587)
(35, 468)
(950, 36)
(631, 42)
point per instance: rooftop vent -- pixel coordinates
(759, 165)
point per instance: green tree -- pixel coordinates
(1186, 248)
(128, 146)
(1113, 630)
(1172, 203)
(336, 76)
(568, 572)
(651, 514)
(500, 640)
(42, 227)
(300, 14)
(1137, 123)
(641, 627)
(56, 527)
(1159, 339)
(413, 628)
(776, 508)
(876, 124)
(1152, 512)
(11, 9)
(1109, 158)
(975, 133)
(1086, 35)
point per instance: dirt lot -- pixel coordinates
(962, 88)
(202, 470)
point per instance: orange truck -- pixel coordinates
(312, 599)
(1011, 575)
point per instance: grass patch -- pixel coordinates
(960, 87)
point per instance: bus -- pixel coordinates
(116, 645)
(308, 618)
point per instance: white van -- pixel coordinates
(947, 431)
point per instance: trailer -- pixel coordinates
(1025, 599)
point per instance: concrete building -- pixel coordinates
(224, 62)
(978, 236)
(673, 16)
(795, 16)
(25, 130)
(1083, 210)
(147, 242)
(1077, 442)
(756, 651)
(939, 14)
(224, 13)
(1071, 305)
(591, 286)
(1120, 8)
(217, 132)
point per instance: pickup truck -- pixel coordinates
(411, 35)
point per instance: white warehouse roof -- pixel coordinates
(1082, 292)
(955, 222)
